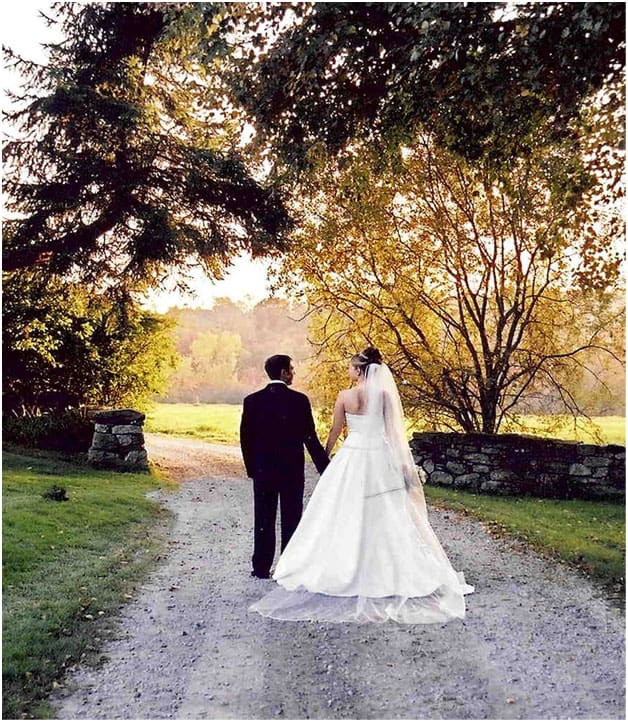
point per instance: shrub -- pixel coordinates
(65, 345)
(67, 431)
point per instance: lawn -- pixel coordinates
(220, 424)
(599, 430)
(217, 423)
(67, 567)
(589, 534)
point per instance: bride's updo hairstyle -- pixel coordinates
(364, 359)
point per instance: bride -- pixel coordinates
(364, 550)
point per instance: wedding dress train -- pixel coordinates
(364, 550)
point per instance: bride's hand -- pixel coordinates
(408, 476)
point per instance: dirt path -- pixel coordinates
(538, 642)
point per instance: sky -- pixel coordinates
(24, 31)
(245, 283)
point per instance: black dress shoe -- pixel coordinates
(260, 576)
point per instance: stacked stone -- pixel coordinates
(518, 464)
(118, 440)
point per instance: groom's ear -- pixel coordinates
(287, 374)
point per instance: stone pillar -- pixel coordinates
(118, 440)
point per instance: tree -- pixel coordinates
(215, 357)
(129, 156)
(479, 76)
(224, 315)
(126, 162)
(65, 346)
(598, 383)
(223, 348)
(472, 284)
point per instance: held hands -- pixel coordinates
(410, 475)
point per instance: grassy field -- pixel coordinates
(219, 423)
(589, 534)
(67, 567)
(599, 430)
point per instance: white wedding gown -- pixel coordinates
(364, 550)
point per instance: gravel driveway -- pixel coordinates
(539, 640)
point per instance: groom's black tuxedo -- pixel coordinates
(276, 423)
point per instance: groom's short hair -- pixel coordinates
(274, 365)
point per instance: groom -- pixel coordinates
(276, 423)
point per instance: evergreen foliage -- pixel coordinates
(125, 163)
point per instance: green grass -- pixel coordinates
(599, 430)
(596, 430)
(217, 423)
(589, 534)
(67, 567)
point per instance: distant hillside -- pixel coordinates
(223, 349)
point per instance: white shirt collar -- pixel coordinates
(277, 381)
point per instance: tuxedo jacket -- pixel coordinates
(276, 424)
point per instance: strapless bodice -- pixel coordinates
(364, 431)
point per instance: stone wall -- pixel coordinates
(516, 464)
(118, 440)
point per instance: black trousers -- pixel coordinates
(265, 499)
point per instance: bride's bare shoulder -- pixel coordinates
(353, 399)
(345, 398)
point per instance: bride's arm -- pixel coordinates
(337, 423)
